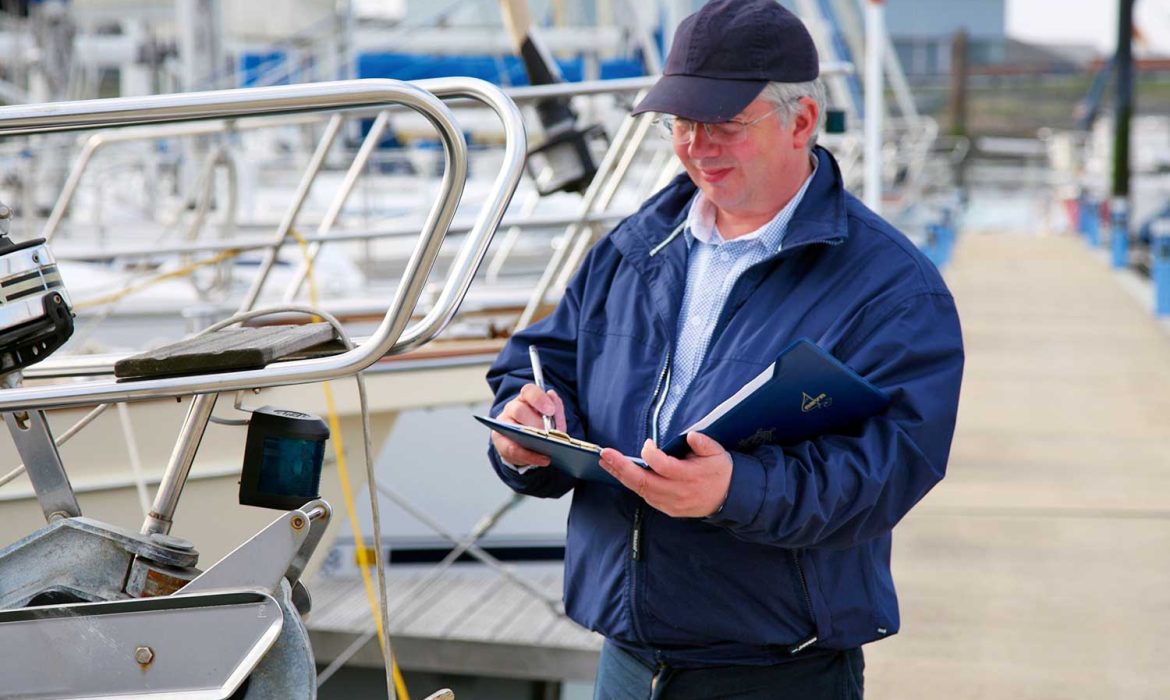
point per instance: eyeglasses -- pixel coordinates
(682, 131)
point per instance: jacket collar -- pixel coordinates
(653, 230)
(651, 241)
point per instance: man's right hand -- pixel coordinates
(528, 409)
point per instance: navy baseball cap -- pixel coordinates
(723, 56)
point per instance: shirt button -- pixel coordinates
(696, 319)
(724, 257)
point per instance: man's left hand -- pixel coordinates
(695, 487)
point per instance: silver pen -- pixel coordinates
(538, 376)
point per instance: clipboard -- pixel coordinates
(578, 458)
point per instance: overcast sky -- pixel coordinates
(1087, 22)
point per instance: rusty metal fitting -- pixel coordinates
(144, 655)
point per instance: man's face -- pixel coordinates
(756, 177)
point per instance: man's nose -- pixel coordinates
(701, 145)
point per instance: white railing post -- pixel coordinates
(874, 46)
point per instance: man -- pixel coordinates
(728, 574)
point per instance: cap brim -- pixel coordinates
(700, 99)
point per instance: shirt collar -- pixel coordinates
(701, 219)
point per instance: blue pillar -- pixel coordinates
(1083, 214)
(1119, 231)
(933, 245)
(1091, 221)
(1160, 242)
(949, 233)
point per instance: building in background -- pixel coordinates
(923, 32)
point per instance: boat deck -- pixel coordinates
(1037, 569)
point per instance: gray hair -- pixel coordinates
(786, 98)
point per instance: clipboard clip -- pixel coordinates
(561, 437)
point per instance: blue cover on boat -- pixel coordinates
(501, 70)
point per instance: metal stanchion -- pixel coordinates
(1119, 231)
(1091, 220)
(1160, 248)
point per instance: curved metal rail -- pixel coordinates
(99, 141)
(96, 142)
(392, 335)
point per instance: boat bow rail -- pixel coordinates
(393, 335)
(74, 570)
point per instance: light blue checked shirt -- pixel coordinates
(713, 266)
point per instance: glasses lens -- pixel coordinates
(665, 127)
(727, 133)
(682, 131)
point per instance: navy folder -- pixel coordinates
(805, 393)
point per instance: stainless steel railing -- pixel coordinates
(95, 143)
(99, 141)
(393, 334)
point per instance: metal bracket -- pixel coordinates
(319, 513)
(42, 462)
(277, 551)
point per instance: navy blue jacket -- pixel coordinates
(799, 556)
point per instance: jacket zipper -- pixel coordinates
(636, 529)
(649, 428)
(636, 557)
(797, 648)
(636, 536)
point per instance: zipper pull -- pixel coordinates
(797, 648)
(636, 536)
(658, 681)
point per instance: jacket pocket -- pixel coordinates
(818, 609)
(702, 586)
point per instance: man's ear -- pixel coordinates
(804, 123)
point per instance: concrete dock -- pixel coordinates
(1040, 568)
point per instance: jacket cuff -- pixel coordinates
(512, 476)
(513, 467)
(745, 494)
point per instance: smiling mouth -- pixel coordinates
(714, 174)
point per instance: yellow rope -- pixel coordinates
(347, 490)
(151, 281)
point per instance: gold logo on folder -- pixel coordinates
(812, 403)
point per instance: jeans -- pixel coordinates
(825, 676)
